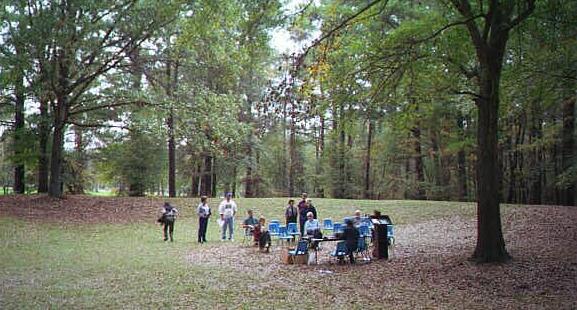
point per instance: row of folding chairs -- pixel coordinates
(364, 228)
(283, 233)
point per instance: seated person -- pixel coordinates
(313, 229)
(249, 223)
(351, 237)
(357, 219)
(262, 235)
(312, 226)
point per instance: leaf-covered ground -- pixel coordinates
(429, 268)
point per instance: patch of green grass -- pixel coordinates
(102, 193)
(128, 266)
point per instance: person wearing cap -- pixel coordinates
(351, 236)
(227, 210)
(167, 220)
(203, 212)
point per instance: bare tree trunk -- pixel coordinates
(292, 153)
(249, 177)
(319, 190)
(462, 192)
(19, 171)
(171, 156)
(535, 157)
(206, 182)
(213, 179)
(55, 186)
(170, 85)
(195, 182)
(567, 149)
(368, 193)
(43, 136)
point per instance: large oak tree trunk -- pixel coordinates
(490, 243)
(490, 42)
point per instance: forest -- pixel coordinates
(451, 100)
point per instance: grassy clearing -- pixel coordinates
(105, 265)
(72, 265)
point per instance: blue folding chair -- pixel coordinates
(283, 234)
(273, 229)
(274, 221)
(367, 221)
(338, 228)
(340, 251)
(364, 230)
(328, 224)
(292, 230)
(301, 249)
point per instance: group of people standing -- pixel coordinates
(305, 212)
(227, 210)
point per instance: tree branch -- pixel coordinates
(105, 106)
(523, 15)
(96, 125)
(341, 25)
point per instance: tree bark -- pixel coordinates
(195, 182)
(206, 181)
(367, 194)
(417, 165)
(55, 186)
(292, 153)
(249, 178)
(171, 156)
(19, 169)
(170, 87)
(43, 136)
(490, 243)
(462, 191)
(567, 149)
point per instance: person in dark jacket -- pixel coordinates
(291, 212)
(302, 206)
(167, 219)
(351, 237)
(307, 208)
(203, 212)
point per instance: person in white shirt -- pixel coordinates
(311, 225)
(227, 210)
(203, 212)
